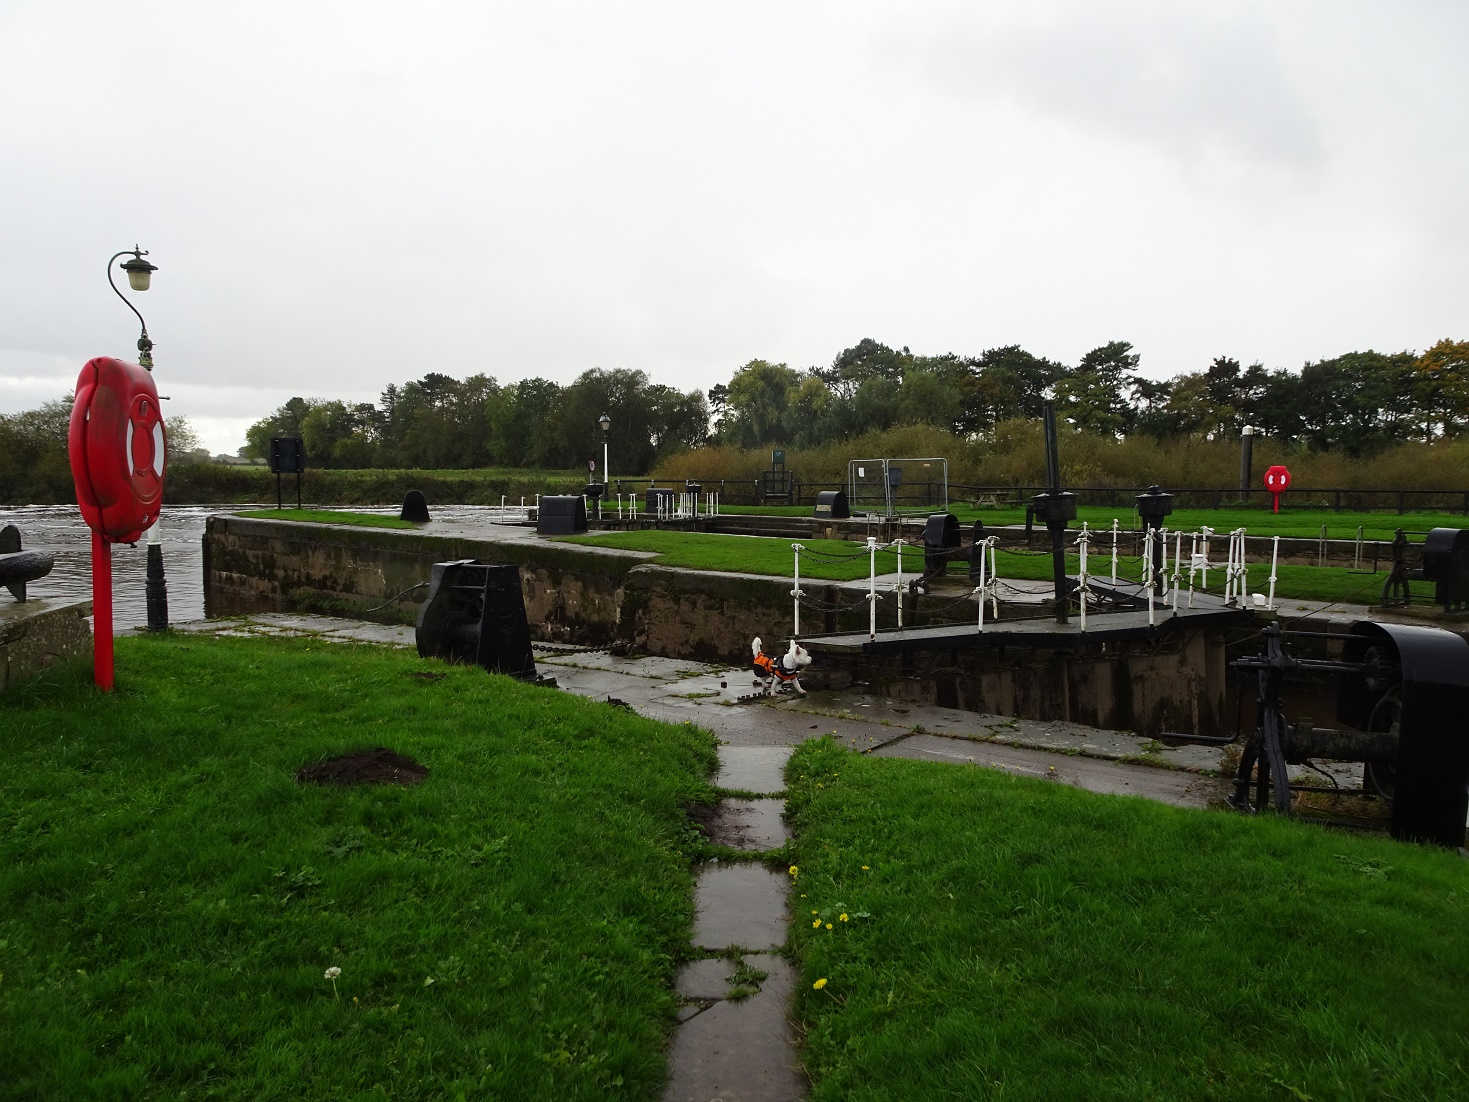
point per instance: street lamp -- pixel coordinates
(606, 423)
(140, 274)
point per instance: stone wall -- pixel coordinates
(39, 633)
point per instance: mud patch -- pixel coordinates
(380, 766)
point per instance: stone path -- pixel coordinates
(734, 1038)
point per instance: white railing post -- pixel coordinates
(796, 593)
(1114, 550)
(1150, 573)
(1082, 541)
(1164, 589)
(1274, 554)
(1177, 565)
(872, 587)
(898, 586)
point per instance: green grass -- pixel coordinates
(1259, 522)
(170, 896)
(329, 516)
(849, 561)
(1016, 938)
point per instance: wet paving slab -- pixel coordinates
(739, 905)
(752, 768)
(736, 1050)
(752, 825)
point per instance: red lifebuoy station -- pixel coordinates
(119, 454)
(1277, 481)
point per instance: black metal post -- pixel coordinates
(156, 589)
(1246, 457)
(1057, 507)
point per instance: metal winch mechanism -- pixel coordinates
(1401, 694)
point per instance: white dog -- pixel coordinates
(785, 669)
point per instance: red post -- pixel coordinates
(101, 612)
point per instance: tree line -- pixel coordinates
(1357, 403)
(439, 422)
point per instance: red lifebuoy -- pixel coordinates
(1277, 481)
(118, 449)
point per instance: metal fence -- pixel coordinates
(919, 494)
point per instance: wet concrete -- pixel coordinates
(753, 825)
(753, 768)
(739, 906)
(725, 1051)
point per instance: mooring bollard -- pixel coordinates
(796, 549)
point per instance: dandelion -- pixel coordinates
(331, 974)
(864, 868)
(815, 923)
(794, 869)
(819, 984)
(841, 917)
(828, 925)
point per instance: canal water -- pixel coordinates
(59, 531)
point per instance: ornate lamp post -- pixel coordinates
(140, 274)
(606, 423)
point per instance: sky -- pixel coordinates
(339, 196)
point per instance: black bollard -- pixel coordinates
(415, 507)
(156, 589)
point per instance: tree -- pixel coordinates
(1093, 396)
(285, 421)
(1006, 383)
(1441, 387)
(758, 399)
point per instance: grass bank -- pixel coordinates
(843, 560)
(1259, 522)
(329, 516)
(170, 896)
(994, 936)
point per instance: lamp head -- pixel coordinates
(605, 422)
(139, 270)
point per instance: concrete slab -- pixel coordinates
(386, 635)
(740, 1051)
(753, 768)
(1115, 778)
(750, 825)
(704, 979)
(739, 905)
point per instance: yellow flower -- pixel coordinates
(816, 924)
(828, 925)
(794, 869)
(864, 868)
(841, 918)
(819, 984)
(813, 912)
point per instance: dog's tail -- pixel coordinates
(755, 647)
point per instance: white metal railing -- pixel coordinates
(987, 580)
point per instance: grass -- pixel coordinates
(329, 516)
(1010, 937)
(170, 897)
(1259, 522)
(842, 560)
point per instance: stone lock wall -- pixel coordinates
(38, 633)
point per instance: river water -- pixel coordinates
(59, 531)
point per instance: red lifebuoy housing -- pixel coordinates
(118, 449)
(1277, 481)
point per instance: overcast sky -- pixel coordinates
(343, 195)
